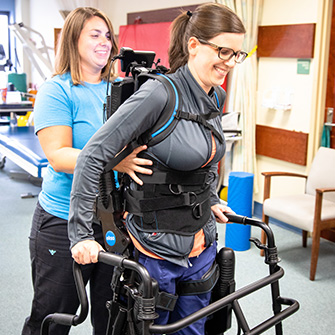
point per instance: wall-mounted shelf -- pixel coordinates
(292, 41)
(286, 145)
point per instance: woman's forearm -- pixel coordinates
(64, 159)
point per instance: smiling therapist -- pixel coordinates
(68, 111)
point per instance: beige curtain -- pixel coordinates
(242, 87)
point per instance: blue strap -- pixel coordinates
(174, 110)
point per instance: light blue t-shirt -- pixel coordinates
(60, 103)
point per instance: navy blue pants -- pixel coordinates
(52, 277)
(168, 275)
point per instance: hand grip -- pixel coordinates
(235, 218)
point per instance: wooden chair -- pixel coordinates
(313, 211)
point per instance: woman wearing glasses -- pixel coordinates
(176, 242)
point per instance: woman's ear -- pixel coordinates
(193, 45)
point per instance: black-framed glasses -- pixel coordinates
(226, 53)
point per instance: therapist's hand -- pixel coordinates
(219, 211)
(132, 164)
(86, 252)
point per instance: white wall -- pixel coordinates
(117, 9)
(289, 12)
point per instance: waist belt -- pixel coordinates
(171, 201)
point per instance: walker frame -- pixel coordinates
(147, 312)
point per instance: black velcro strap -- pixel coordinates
(163, 300)
(166, 301)
(166, 202)
(196, 117)
(203, 285)
(176, 177)
(139, 207)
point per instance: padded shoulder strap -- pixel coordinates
(166, 121)
(163, 126)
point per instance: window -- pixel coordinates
(4, 38)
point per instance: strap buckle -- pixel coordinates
(197, 211)
(175, 192)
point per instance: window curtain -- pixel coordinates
(242, 87)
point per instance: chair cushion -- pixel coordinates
(322, 173)
(299, 210)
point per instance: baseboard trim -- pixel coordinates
(258, 212)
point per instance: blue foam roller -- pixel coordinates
(240, 192)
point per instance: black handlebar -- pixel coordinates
(253, 222)
(124, 262)
(69, 319)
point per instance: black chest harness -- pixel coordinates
(171, 201)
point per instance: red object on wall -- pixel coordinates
(149, 37)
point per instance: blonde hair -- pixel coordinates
(206, 22)
(67, 56)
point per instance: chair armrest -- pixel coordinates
(324, 190)
(318, 224)
(283, 174)
(267, 181)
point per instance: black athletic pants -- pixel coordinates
(52, 277)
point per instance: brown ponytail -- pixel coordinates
(178, 52)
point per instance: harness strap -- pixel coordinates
(166, 189)
(163, 300)
(166, 301)
(196, 117)
(165, 202)
(176, 177)
(201, 119)
(137, 205)
(203, 285)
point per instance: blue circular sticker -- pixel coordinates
(110, 238)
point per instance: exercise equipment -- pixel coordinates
(142, 296)
(21, 146)
(36, 50)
